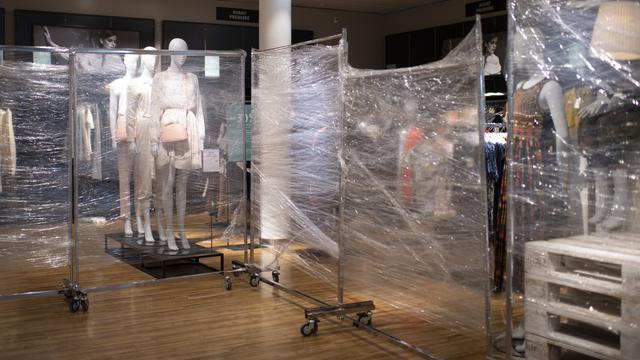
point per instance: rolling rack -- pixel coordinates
(76, 296)
(360, 314)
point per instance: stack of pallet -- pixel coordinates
(583, 297)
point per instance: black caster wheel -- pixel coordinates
(364, 318)
(84, 305)
(227, 283)
(236, 273)
(275, 276)
(74, 306)
(309, 328)
(255, 280)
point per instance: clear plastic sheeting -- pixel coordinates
(34, 171)
(414, 218)
(573, 205)
(156, 195)
(372, 183)
(295, 169)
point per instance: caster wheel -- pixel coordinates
(84, 305)
(236, 273)
(275, 276)
(74, 306)
(309, 328)
(254, 281)
(227, 283)
(365, 318)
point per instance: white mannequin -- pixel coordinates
(177, 92)
(529, 46)
(609, 212)
(139, 118)
(124, 146)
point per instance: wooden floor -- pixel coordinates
(194, 318)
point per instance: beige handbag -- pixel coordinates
(173, 133)
(176, 130)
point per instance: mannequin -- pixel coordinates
(613, 114)
(177, 110)
(139, 119)
(121, 138)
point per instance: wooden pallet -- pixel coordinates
(541, 348)
(584, 293)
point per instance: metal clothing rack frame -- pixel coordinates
(76, 296)
(361, 310)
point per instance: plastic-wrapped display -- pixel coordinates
(573, 198)
(295, 168)
(156, 194)
(34, 171)
(370, 183)
(414, 229)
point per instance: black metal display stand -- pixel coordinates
(151, 257)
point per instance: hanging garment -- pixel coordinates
(7, 145)
(411, 139)
(575, 99)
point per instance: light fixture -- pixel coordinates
(616, 33)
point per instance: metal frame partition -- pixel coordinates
(33, 232)
(362, 310)
(73, 289)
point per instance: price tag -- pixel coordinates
(211, 160)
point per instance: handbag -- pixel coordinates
(176, 130)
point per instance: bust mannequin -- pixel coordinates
(122, 136)
(177, 111)
(139, 119)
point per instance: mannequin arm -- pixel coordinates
(553, 99)
(113, 113)
(132, 111)
(156, 113)
(199, 113)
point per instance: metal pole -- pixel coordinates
(245, 192)
(342, 62)
(73, 181)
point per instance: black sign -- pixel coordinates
(483, 7)
(242, 15)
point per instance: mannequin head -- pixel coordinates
(131, 62)
(149, 61)
(178, 44)
(108, 39)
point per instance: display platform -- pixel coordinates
(158, 261)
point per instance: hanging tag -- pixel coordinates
(212, 66)
(576, 104)
(210, 160)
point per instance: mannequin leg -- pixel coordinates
(167, 205)
(602, 196)
(158, 190)
(124, 177)
(617, 217)
(181, 204)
